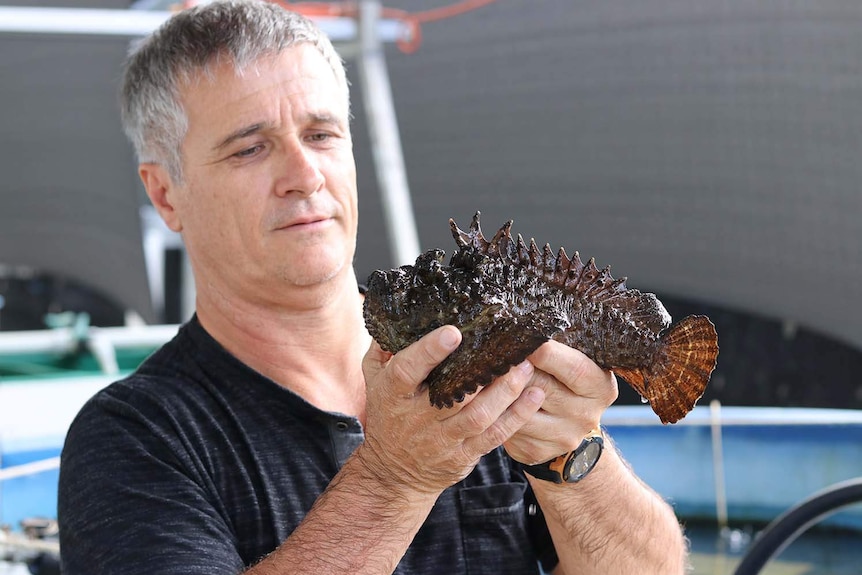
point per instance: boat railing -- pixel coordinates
(734, 416)
(102, 342)
(30, 468)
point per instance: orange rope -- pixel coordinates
(318, 8)
(412, 21)
(451, 10)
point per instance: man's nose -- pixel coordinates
(299, 171)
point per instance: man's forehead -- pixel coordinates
(225, 66)
(225, 107)
(300, 69)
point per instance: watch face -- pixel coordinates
(584, 461)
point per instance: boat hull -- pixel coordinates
(748, 462)
(752, 463)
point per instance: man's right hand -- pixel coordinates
(412, 446)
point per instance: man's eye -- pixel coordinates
(319, 137)
(248, 152)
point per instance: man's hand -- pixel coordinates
(577, 393)
(611, 522)
(411, 444)
(411, 453)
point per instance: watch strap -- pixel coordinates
(559, 469)
(552, 470)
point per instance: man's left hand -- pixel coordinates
(577, 393)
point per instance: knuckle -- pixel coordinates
(414, 363)
(577, 370)
(498, 434)
(430, 356)
(512, 383)
(506, 427)
(478, 417)
(515, 382)
(401, 369)
(425, 354)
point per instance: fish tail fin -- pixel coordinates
(680, 369)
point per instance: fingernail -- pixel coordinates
(526, 366)
(535, 395)
(449, 338)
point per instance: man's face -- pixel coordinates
(269, 196)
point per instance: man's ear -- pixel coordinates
(162, 192)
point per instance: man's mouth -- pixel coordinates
(307, 222)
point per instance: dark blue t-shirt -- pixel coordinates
(198, 464)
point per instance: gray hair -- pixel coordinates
(188, 45)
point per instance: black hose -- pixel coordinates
(782, 531)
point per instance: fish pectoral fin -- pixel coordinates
(635, 378)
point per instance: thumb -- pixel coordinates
(407, 369)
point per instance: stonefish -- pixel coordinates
(508, 298)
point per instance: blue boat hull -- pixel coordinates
(760, 461)
(771, 458)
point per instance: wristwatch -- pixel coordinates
(573, 466)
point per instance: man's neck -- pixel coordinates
(314, 347)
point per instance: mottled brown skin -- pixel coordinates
(508, 298)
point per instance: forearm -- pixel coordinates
(611, 523)
(360, 524)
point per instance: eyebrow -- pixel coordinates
(323, 118)
(245, 131)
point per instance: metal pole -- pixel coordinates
(718, 464)
(385, 141)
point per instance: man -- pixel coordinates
(272, 436)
